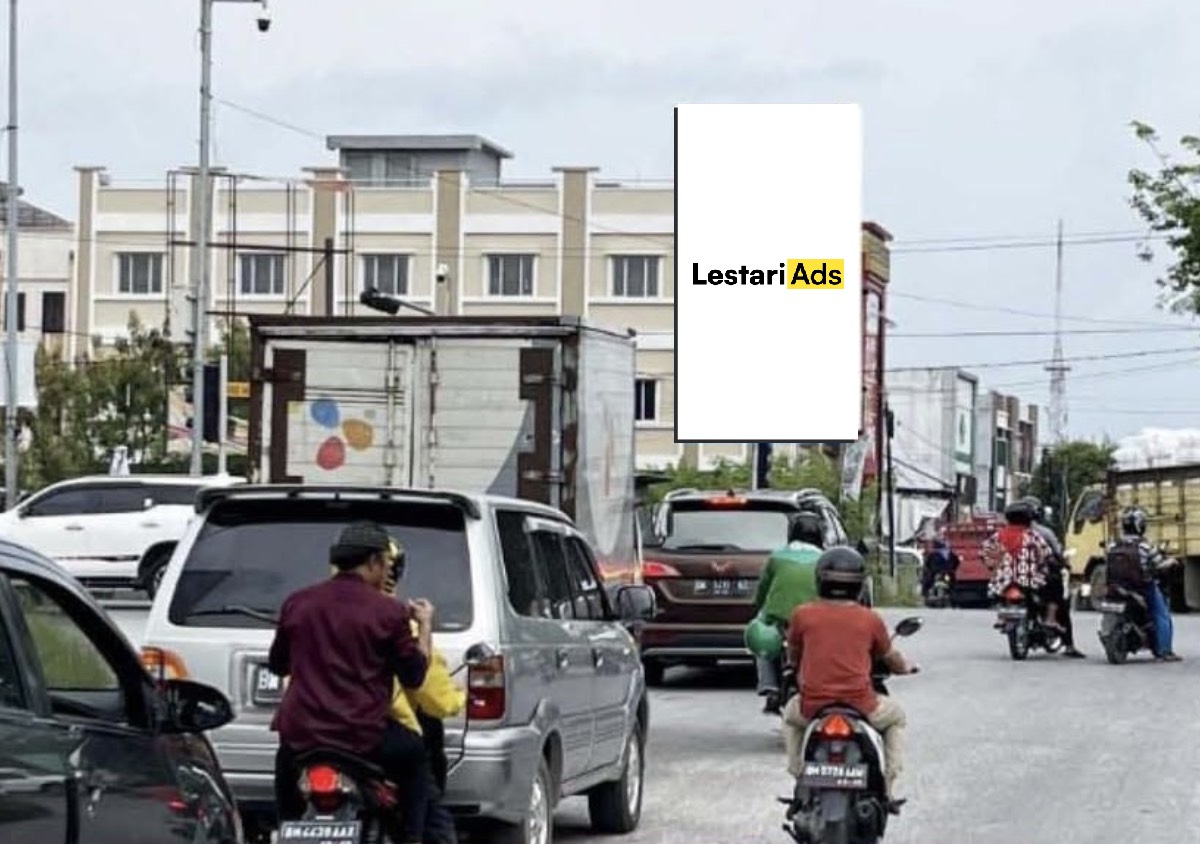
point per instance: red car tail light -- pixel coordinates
(485, 690)
(652, 569)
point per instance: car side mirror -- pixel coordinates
(635, 603)
(909, 626)
(195, 707)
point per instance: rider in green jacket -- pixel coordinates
(788, 581)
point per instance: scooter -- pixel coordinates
(1019, 619)
(938, 596)
(1126, 623)
(349, 799)
(840, 795)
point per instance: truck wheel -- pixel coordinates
(1099, 582)
(615, 808)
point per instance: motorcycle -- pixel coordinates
(349, 799)
(1019, 619)
(939, 594)
(1126, 623)
(840, 795)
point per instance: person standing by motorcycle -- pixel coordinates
(1057, 572)
(787, 582)
(835, 642)
(1017, 554)
(1150, 561)
(940, 559)
(342, 644)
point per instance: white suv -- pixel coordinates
(99, 528)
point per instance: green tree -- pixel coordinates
(1168, 201)
(234, 342)
(60, 445)
(1077, 462)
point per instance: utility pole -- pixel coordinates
(12, 200)
(223, 415)
(199, 254)
(890, 422)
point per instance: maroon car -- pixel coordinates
(704, 563)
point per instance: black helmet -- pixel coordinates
(1020, 513)
(358, 542)
(840, 573)
(1133, 521)
(807, 527)
(1035, 504)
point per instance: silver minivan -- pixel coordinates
(560, 709)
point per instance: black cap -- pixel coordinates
(358, 541)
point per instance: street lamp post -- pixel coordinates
(199, 255)
(12, 200)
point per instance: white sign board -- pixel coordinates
(26, 374)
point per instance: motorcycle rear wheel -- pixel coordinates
(1018, 643)
(1114, 650)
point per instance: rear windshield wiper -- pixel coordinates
(713, 546)
(266, 616)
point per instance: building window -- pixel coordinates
(645, 396)
(386, 273)
(54, 312)
(140, 273)
(510, 275)
(261, 273)
(635, 276)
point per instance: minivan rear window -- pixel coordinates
(705, 526)
(255, 553)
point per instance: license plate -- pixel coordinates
(1112, 606)
(321, 832)
(1011, 614)
(724, 588)
(829, 775)
(266, 689)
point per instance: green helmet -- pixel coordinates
(763, 639)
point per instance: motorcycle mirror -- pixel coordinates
(478, 654)
(909, 626)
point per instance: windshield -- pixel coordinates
(254, 554)
(729, 530)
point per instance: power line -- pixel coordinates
(1028, 244)
(1044, 361)
(973, 306)
(1078, 331)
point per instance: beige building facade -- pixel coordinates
(427, 218)
(45, 254)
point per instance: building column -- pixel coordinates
(449, 188)
(575, 191)
(83, 280)
(325, 184)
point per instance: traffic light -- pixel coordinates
(762, 467)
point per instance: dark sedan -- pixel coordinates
(93, 750)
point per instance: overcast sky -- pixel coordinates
(983, 121)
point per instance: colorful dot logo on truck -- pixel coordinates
(357, 434)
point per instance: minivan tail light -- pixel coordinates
(164, 664)
(485, 690)
(726, 501)
(653, 568)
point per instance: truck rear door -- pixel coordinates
(336, 412)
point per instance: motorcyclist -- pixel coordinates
(1055, 587)
(787, 582)
(342, 644)
(835, 642)
(940, 559)
(1152, 560)
(1018, 554)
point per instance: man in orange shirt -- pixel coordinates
(835, 641)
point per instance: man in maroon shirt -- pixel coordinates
(341, 643)
(834, 642)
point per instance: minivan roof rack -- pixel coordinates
(207, 497)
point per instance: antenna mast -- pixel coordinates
(1058, 368)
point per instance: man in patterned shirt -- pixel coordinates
(1018, 554)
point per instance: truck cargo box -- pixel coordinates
(536, 408)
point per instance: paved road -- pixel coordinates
(1042, 752)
